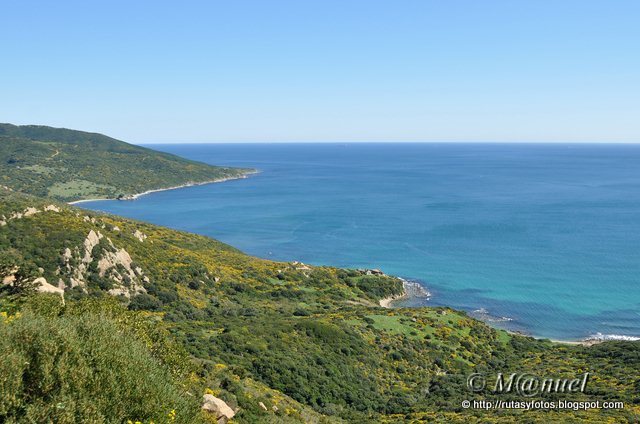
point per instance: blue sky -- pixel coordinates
(349, 70)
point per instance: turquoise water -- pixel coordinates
(543, 239)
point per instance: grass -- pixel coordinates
(40, 169)
(72, 165)
(395, 324)
(78, 188)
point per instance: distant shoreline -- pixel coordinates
(189, 184)
(585, 342)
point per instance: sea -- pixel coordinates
(542, 239)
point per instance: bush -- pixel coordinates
(144, 302)
(83, 368)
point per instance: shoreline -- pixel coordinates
(409, 289)
(386, 302)
(189, 184)
(586, 342)
(599, 338)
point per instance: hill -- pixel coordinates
(73, 165)
(309, 343)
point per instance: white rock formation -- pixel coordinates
(30, 211)
(139, 235)
(112, 263)
(218, 407)
(45, 287)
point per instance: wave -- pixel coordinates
(600, 336)
(484, 315)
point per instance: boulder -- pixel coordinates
(140, 235)
(218, 407)
(30, 211)
(44, 287)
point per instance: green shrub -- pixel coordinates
(88, 367)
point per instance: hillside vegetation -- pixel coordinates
(73, 165)
(309, 343)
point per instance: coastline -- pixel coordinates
(585, 342)
(386, 302)
(189, 184)
(600, 338)
(409, 290)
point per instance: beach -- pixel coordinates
(386, 302)
(409, 289)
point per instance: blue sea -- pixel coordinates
(538, 238)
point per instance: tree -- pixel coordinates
(22, 274)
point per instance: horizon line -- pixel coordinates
(559, 142)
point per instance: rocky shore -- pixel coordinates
(409, 289)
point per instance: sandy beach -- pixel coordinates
(386, 302)
(586, 342)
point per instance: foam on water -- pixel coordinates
(600, 336)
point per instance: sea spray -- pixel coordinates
(604, 337)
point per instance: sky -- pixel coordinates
(325, 70)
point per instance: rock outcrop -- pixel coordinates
(30, 211)
(44, 287)
(140, 235)
(111, 262)
(41, 285)
(217, 407)
(371, 272)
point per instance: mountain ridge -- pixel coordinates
(72, 165)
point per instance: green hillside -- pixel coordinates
(309, 343)
(72, 165)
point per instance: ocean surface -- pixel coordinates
(543, 239)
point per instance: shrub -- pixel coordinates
(144, 302)
(83, 368)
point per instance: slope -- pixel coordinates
(73, 165)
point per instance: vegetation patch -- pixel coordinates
(73, 165)
(79, 189)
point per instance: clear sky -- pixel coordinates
(325, 70)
